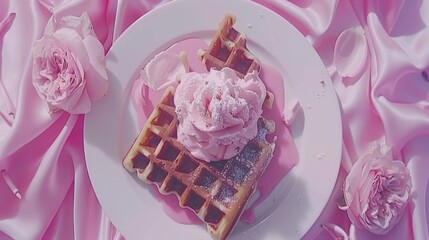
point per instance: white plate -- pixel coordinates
(112, 126)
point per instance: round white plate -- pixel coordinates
(112, 124)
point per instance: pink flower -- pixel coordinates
(377, 191)
(69, 70)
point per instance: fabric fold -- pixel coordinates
(383, 97)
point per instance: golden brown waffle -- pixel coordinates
(228, 49)
(217, 191)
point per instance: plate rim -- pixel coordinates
(156, 11)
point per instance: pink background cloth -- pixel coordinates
(379, 68)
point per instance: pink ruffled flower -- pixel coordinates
(377, 191)
(69, 69)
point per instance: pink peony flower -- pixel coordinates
(69, 70)
(377, 191)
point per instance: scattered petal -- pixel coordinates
(335, 231)
(350, 52)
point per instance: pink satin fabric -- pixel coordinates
(379, 66)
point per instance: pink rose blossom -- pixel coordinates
(377, 191)
(69, 70)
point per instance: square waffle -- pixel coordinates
(228, 49)
(217, 191)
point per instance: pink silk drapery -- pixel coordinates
(379, 68)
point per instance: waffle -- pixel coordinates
(228, 49)
(217, 191)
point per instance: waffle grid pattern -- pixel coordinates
(217, 192)
(228, 49)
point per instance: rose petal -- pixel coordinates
(72, 100)
(72, 42)
(162, 70)
(82, 105)
(350, 52)
(97, 83)
(82, 25)
(335, 231)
